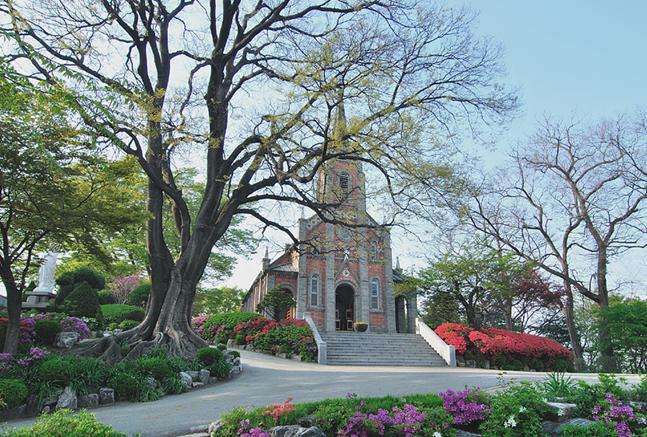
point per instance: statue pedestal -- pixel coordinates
(38, 299)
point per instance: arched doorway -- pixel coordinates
(344, 307)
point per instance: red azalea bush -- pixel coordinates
(506, 349)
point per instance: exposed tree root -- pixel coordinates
(182, 343)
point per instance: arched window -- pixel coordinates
(314, 290)
(344, 181)
(375, 294)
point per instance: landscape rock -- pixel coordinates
(197, 384)
(66, 339)
(461, 433)
(67, 399)
(564, 410)
(235, 370)
(186, 380)
(213, 380)
(550, 428)
(640, 406)
(204, 376)
(214, 426)
(306, 421)
(150, 382)
(194, 374)
(231, 343)
(89, 401)
(106, 396)
(577, 422)
(296, 431)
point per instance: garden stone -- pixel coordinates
(151, 383)
(231, 344)
(213, 380)
(197, 384)
(186, 380)
(204, 376)
(564, 410)
(461, 433)
(67, 339)
(52, 399)
(235, 370)
(214, 426)
(550, 427)
(67, 399)
(306, 421)
(89, 401)
(640, 406)
(577, 422)
(106, 396)
(194, 374)
(296, 431)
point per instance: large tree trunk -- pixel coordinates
(569, 315)
(607, 360)
(14, 308)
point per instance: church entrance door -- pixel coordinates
(344, 307)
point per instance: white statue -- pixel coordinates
(46, 281)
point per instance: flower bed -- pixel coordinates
(289, 337)
(520, 410)
(506, 349)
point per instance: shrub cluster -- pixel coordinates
(69, 280)
(144, 379)
(290, 336)
(220, 327)
(27, 331)
(64, 423)
(506, 349)
(214, 360)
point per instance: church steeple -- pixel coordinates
(341, 180)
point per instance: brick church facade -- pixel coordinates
(341, 274)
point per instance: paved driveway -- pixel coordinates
(266, 379)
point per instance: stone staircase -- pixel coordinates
(372, 349)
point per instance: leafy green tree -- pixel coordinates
(218, 300)
(482, 286)
(54, 190)
(276, 303)
(266, 84)
(626, 320)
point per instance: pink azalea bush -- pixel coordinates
(614, 412)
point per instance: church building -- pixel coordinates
(341, 274)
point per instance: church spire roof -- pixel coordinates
(339, 128)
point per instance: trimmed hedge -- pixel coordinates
(68, 281)
(83, 301)
(117, 313)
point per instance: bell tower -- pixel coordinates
(342, 181)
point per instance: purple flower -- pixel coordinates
(612, 411)
(6, 361)
(74, 324)
(462, 410)
(407, 421)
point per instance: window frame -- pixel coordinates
(376, 296)
(317, 292)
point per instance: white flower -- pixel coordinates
(437, 434)
(522, 409)
(510, 423)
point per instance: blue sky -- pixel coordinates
(567, 58)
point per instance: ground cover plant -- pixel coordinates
(506, 349)
(64, 423)
(291, 337)
(521, 409)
